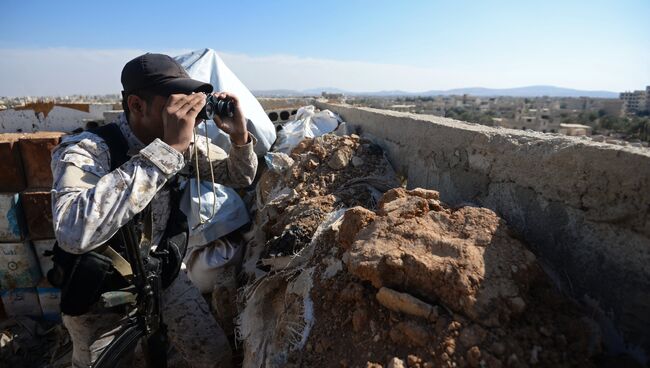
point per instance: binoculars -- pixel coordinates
(223, 108)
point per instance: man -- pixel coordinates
(91, 202)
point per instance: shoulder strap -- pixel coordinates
(117, 144)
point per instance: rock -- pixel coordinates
(357, 161)
(340, 158)
(598, 138)
(461, 257)
(473, 357)
(517, 305)
(405, 303)
(413, 361)
(354, 219)
(396, 363)
(312, 163)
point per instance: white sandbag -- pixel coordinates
(308, 123)
(205, 65)
(229, 211)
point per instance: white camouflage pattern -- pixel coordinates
(90, 203)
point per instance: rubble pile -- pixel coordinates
(347, 269)
(322, 174)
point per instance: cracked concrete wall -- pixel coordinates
(582, 206)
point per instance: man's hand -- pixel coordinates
(179, 118)
(235, 126)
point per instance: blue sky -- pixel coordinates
(356, 45)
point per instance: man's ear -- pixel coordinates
(137, 106)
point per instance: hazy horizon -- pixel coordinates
(79, 47)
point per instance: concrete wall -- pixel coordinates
(584, 207)
(59, 118)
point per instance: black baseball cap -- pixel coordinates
(161, 74)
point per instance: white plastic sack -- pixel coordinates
(278, 161)
(230, 211)
(205, 65)
(307, 124)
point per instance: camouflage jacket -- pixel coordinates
(90, 203)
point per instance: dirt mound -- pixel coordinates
(399, 279)
(464, 259)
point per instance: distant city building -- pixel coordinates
(611, 107)
(635, 101)
(332, 96)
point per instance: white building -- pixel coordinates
(635, 101)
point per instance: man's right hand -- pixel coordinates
(179, 118)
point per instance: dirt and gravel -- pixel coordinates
(380, 276)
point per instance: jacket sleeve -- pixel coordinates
(236, 169)
(90, 202)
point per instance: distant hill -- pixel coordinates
(528, 91)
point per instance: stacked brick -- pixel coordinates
(26, 231)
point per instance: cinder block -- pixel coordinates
(21, 302)
(37, 206)
(18, 266)
(12, 222)
(36, 151)
(49, 298)
(12, 178)
(40, 247)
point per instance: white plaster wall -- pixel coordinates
(62, 119)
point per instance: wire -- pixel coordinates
(198, 177)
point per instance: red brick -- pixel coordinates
(36, 151)
(37, 207)
(11, 166)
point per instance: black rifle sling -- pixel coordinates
(118, 147)
(173, 244)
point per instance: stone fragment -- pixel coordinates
(357, 161)
(340, 158)
(406, 303)
(396, 363)
(354, 219)
(473, 357)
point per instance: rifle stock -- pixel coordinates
(147, 320)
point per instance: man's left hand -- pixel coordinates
(235, 126)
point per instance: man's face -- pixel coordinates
(150, 115)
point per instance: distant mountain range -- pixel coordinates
(529, 91)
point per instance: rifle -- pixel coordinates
(145, 320)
